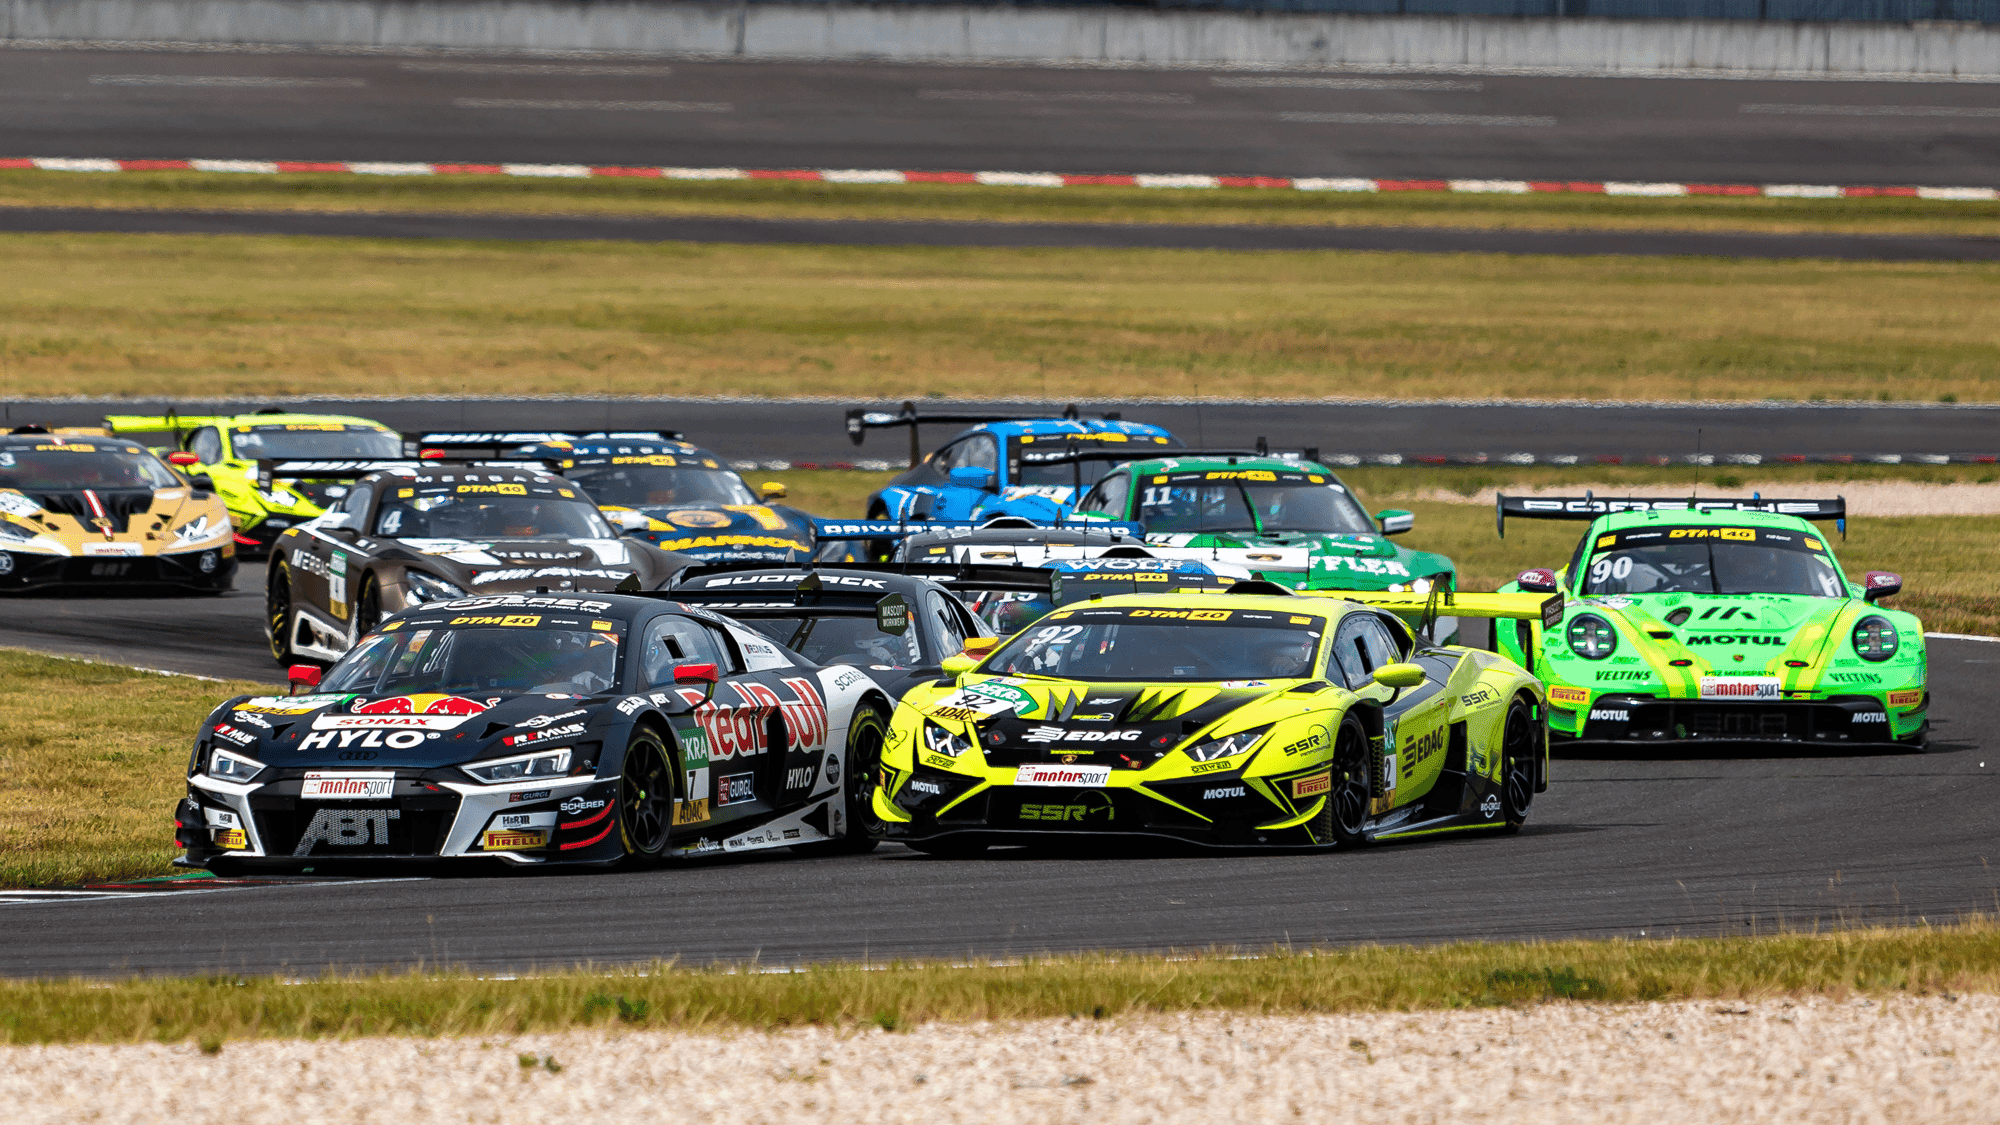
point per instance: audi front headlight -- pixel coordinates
(1226, 746)
(11, 530)
(941, 741)
(1592, 637)
(524, 767)
(430, 588)
(226, 766)
(1875, 638)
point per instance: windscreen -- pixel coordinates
(469, 512)
(73, 467)
(645, 482)
(1712, 560)
(532, 652)
(1258, 501)
(307, 441)
(1162, 644)
(844, 640)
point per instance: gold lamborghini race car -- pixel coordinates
(82, 510)
(1254, 717)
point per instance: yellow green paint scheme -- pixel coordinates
(225, 446)
(1327, 756)
(1681, 665)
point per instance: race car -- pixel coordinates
(1002, 465)
(897, 628)
(1717, 621)
(538, 730)
(661, 490)
(226, 449)
(408, 533)
(1250, 718)
(1290, 520)
(95, 511)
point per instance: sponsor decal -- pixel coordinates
(1608, 715)
(1490, 807)
(508, 840)
(576, 805)
(1007, 693)
(1906, 698)
(422, 705)
(1854, 678)
(1735, 639)
(1479, 697)
(111, 550)
(1224, 793)
(1045, 734)
(347, 828)
(1615, 675)
(799, 778)
(290, 704)
(845, 680)
(1419, 749)
(239, 737)
(927, 788)
(691, 812)
(490, 601)
(695, 517)
(1308, 744)
(1184, 614)
(632, 705)
(524, 619)
(1742, 533)
(939, 761)
(1311, 786)
(540, 721)
(1211, 767)
(1087, 807)
(1724, 613)
(548, 734)
(698, 542)
(1063, 775)
(521, 820)
(1242, 685)
(1870, 717)
(529, 795)
(320, 786)
(231, 839)
(363, 739)
(1740, 687)
(251, 718)
(1572, 696)
(735, 788)
(388, 722)
(1362, 564)
(967, 705)
(496, 489)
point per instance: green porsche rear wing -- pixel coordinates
(1588, 507)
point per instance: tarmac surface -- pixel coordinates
(306, 106)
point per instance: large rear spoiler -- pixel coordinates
(968, 576)
(1588, 507)
(1304, 454)
(499, 443)
(860, 420)
(268, 470)
(179, 425)
(902, 529)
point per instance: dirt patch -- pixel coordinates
(1821, 1060)
(1864, 498)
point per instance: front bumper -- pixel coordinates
(429, 815)
(21, 570)
(1852, 720)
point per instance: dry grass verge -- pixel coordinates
(802, 199)
(166, 315)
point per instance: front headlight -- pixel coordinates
(1875, 638)
(11, 530)
(430, 588)
(542, 763)
(226, 766)
(941, 741)
(1592, 637)
(1227, 745)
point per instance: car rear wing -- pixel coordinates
(269, 470)
(179, 425)
(1309, 453)
(500, 443)
(860, 420)
(1588, 507)
(949, 575)
(828, 529)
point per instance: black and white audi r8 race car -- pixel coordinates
(410, 533)
(540, 730)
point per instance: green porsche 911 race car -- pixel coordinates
(226, 450)
(1716, 621)
(1291, 521)
(1253, 718)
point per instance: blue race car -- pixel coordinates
(997, 467)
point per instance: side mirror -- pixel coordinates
(972, 476)
(958, 664)
(979, 647)
(183, 459)
(1880, 584)
(1400, 676)
(771, 490)
(1395, 521)
(704, 674)
(202, 482)
(1540, 580)
(303, 676)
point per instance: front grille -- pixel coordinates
(1667, 720)
(410, 826)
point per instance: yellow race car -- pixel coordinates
(89, 510)
(226, 449)
(1254, 717)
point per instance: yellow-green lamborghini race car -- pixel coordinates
(1252, 718)
(226, 449)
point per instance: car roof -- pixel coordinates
(1689, 517)
(241, 420)
(1057, 427)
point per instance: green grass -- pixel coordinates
(796, 199)
(93, 758)
(212, 1010)
(160, 315)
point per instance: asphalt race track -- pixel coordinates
(1618, 847)
(303, 106)
(1150, 236)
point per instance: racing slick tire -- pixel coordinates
(1344, 820)
(278, 613)
(1517, 763)
(645, 799)
(865, 735)
(367, 608)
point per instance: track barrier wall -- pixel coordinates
(1061, 35)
